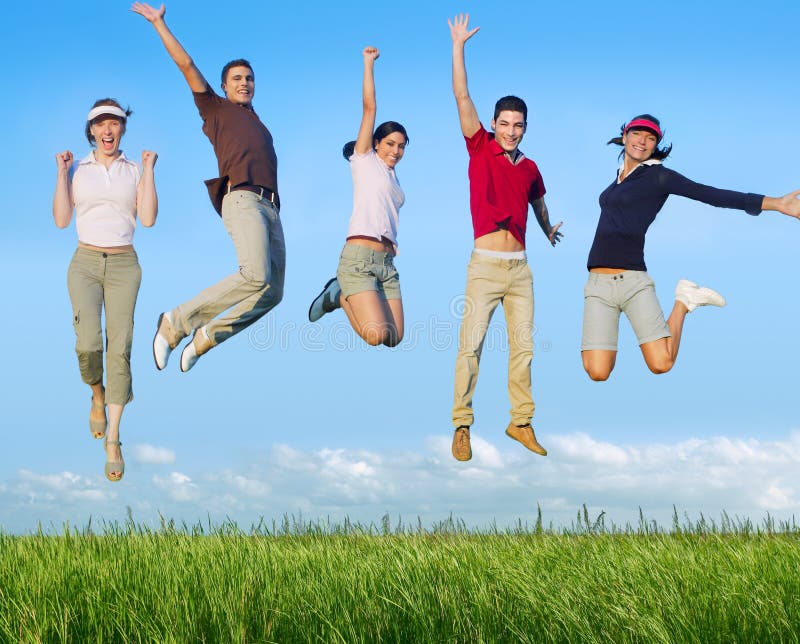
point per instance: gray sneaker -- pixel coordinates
(326, 301)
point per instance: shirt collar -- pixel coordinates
(497, 150)
(648, 162)
(89, 158)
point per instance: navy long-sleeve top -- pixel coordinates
(627, 209)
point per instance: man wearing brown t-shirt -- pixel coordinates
(245, 195)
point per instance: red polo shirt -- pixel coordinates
(499, 190)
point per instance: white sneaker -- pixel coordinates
(199, 344)
(326, 301)
(693, 295)
(164, 341)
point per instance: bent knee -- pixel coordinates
(661, 365)
(392, 339)
(598, 375)
(374, 337)
(256, 278)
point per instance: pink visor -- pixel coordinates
(644, 123)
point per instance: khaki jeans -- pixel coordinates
(98, 280)
(255, 228)
(492, 281)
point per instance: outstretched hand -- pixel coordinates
(151, 14)
(555, 235)
(790, 204)
(371, 54)
(459, 28)
(64, 160)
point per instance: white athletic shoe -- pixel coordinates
(164, 341)
(326, 301)
(693, 295)
(199, 344)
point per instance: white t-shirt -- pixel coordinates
(377, 198)
(105, 200)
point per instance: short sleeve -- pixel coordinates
(206, 101)
(476, 141)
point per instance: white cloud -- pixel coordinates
(177, 486)
(502, 482)
(152, 455)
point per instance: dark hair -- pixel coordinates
(381, 132)
(239, 62)
(106, 101)
(659, 153)
(513, 104)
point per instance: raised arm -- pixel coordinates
(146, 197)
(197, 83)
(370, 105)
(543, 217)
(787, 204)
(467, 114)
(62, 199)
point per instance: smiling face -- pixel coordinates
(509, 128)
(107, 132)
(639, 145)
(391, 148)
(240, 85)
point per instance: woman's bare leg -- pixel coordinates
(660, 355)
(370, 317)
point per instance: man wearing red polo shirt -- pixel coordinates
(502, 184)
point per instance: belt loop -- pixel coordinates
(261, 194)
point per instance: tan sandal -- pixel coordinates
(114, 466)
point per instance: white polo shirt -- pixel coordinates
(377, 198)
(105, 200)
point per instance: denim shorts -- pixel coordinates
(629, 292)
(363, 269)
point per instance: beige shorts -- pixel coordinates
(629, 292)
(363, 269)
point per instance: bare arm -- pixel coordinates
(197, 83)
(146, 197)
(467, 114)
(370, 105)
(543, 217)
(788, 204)
(62, 199)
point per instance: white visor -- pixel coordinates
(113, 110)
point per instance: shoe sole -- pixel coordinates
(155, 337)
(321, 293)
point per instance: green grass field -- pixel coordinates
(299, 582)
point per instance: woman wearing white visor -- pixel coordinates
(106, 191)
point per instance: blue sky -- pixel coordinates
(297, 417)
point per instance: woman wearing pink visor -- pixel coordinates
(618, 281)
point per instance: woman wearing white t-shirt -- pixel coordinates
(106, 191)
(367, 285)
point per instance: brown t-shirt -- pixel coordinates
(242, 143)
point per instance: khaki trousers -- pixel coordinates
(255, 228)
(492, 281)
(98, 280)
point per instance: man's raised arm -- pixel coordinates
(197, 83)
(467, 114)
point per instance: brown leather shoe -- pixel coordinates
(461, 448)
(526, 436)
